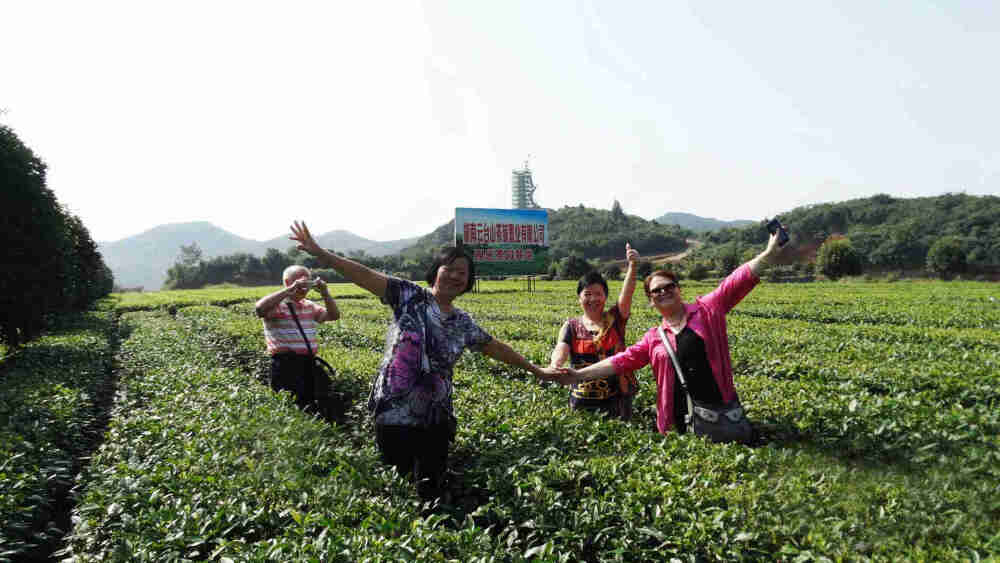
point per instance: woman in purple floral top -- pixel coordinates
(411, 397)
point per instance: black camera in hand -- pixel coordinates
(774, 226)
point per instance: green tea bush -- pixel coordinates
(877, 404)
(199, 461)
(50, 417)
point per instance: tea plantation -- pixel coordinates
(878, 404)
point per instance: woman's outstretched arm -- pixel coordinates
(601, 369)
(359, 274)
(500, 351)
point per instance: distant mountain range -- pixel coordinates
(699, 224)
(143, 259)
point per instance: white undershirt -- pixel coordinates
(678, 330)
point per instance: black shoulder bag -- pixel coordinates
(720, 423)
(320, 375)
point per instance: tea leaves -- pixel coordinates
(877, 404)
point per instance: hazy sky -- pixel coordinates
(381, 117)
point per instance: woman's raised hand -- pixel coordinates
(777, 254)
(301, 234)
(631, 254)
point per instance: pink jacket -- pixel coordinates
(707, 318)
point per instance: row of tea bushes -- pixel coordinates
(353, 347)
(881, 406)
(551, 483)
(51, 400)
(932, 304)
(202, 462)
(860, 472)
(911, 449)
(198, 461)
(925, 304)
(947, 365)
(175, 299)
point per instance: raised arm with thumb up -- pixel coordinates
(625, 297)
(631, 255)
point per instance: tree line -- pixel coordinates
(579, 238)
(586, 233)
(50, 262)
(192, 270)
(945, 235)
(590, 233)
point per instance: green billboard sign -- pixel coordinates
(504, 242)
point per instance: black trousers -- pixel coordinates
(293, 372)
(417, 453)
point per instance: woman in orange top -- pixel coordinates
(595, 335)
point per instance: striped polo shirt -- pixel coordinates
(281, 333)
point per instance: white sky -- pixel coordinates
(381, 117)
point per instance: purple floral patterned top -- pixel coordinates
(398, 396)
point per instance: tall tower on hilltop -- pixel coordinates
(522, 189)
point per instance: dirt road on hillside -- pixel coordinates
(666, 258)
(692, 246)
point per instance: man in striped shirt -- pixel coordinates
(291, 362)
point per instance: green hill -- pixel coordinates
(586, 232)
(889, 232)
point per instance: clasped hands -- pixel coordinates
(562, 376)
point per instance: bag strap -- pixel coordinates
(291, 309)
(677, 368)
(618, 324)
(425, 360)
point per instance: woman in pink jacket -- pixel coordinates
(697, 333)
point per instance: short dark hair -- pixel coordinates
(590, 278)
(659, 274)
(447, 255)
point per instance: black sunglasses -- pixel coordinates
(663, 288)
